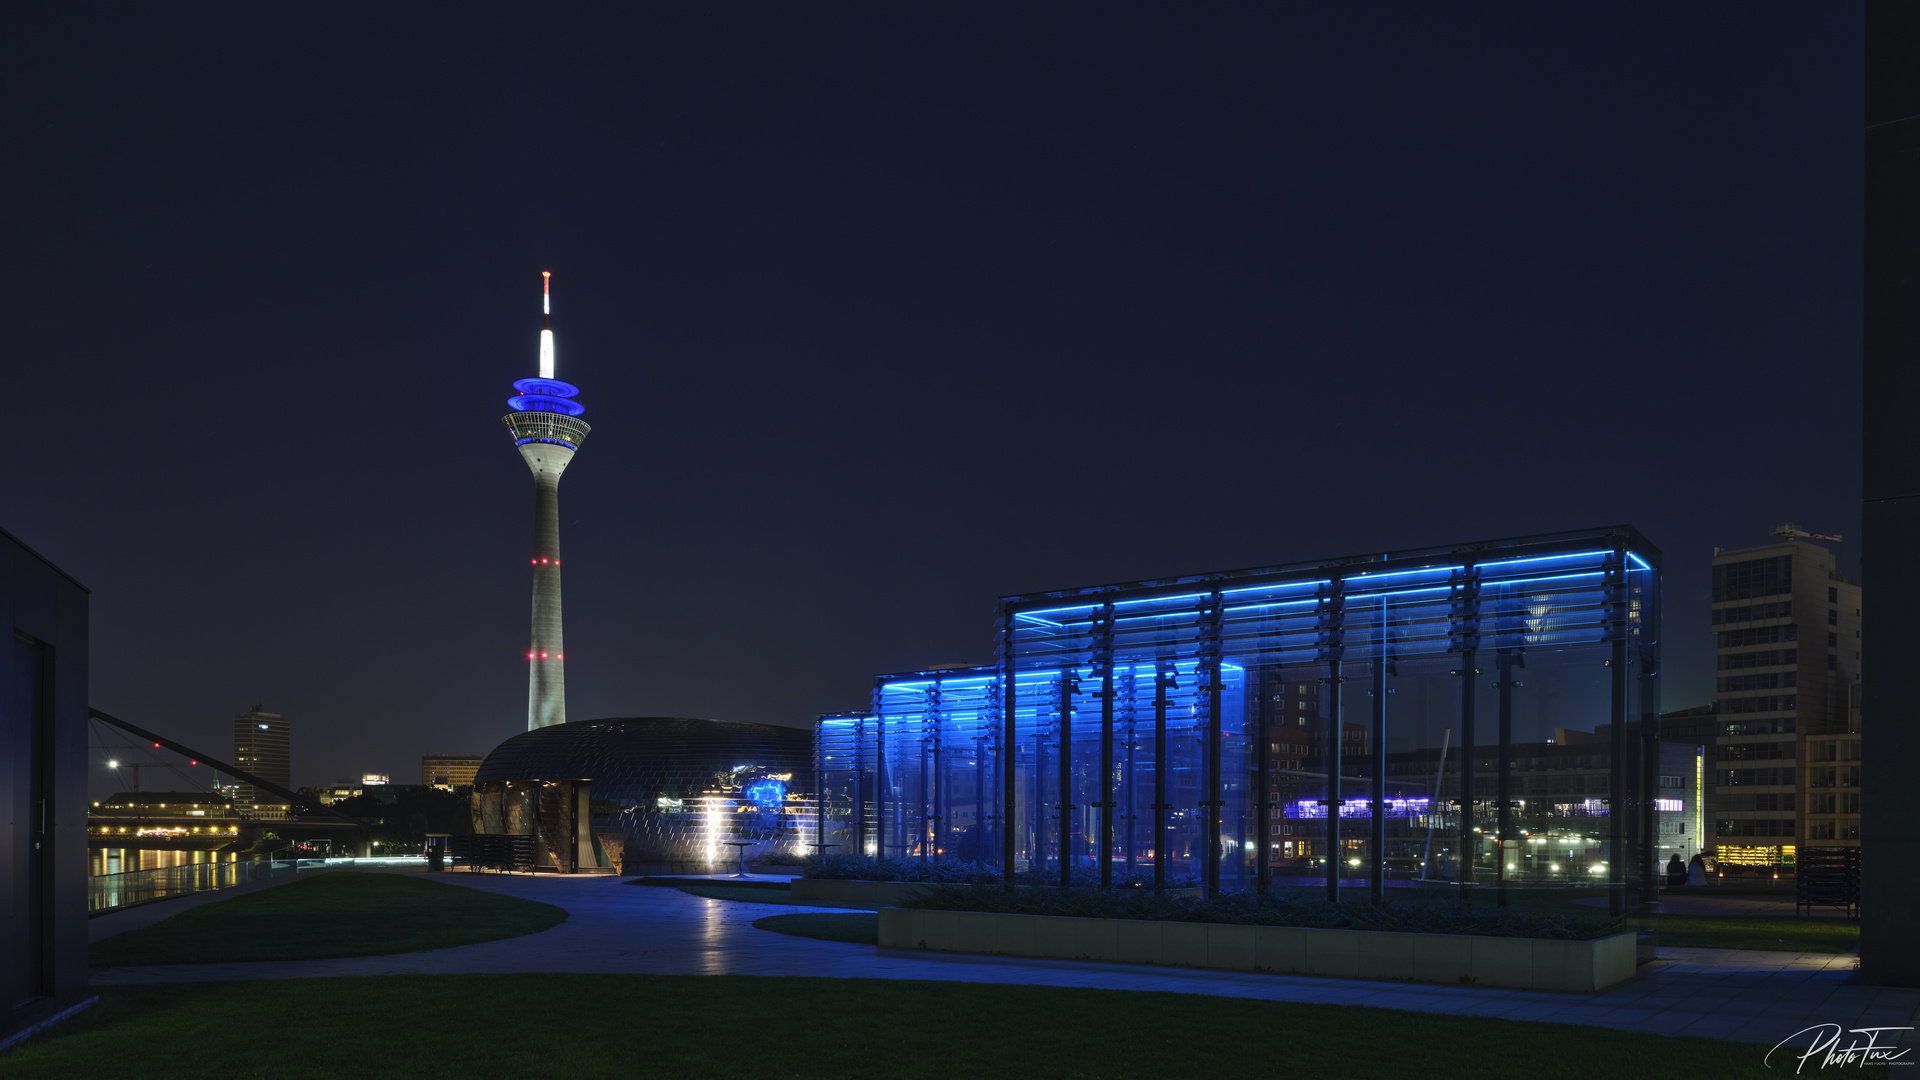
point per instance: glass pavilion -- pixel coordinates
(1481, 716)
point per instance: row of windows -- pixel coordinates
(1777, 680)
(1842, 803)
(1778, 609)
(1830, 830)
(1760, 658)
(1759, 635)
(1834, 750)
(1755, 802)
(1753, 776)
(1844, 776)
(1756, 827)
(1774, 703)
(1759, 751)
(1769, 725)
(1755, 577)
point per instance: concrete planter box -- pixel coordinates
(1453, 959)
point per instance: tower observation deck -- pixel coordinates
(547, 428)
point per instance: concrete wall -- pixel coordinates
(1453, 959)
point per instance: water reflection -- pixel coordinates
(119, 860)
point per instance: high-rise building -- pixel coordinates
(449, 771)
(547, 428)
(1786, 773)
(263, 746)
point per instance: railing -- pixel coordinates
(107, 892)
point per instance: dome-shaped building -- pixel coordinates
(623, 792)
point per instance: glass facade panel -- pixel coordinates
(1476, 718)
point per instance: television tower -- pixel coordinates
(547, 428)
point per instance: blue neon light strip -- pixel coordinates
(1437, 569)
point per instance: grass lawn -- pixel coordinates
(624, 1026)
(858, 927)
(1749, 932)
(764, 896)
(331, 914)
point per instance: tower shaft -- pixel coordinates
(546, 654)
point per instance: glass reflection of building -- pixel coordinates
(1496, 703)
(626, 793)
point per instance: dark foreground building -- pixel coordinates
(1497, 704)
(43, 781)
(631, 792)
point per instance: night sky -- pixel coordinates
(881, 312)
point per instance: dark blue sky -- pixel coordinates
(880, 312)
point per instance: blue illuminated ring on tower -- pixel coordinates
(546, 386)
(545, 403)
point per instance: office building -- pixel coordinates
(263, 746)
(43, 850)
(449, 771)
(547, 429)
(338, 791)
(1786, 769)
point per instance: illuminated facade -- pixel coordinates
(263, 746)
(547, 429)
(623, 793)
(449, 771)
(1786, 768)
(1178, 730)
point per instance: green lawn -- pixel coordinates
(1749, 932)
(331, 914)
(626, 1026)
(858, 927)
(764, 896)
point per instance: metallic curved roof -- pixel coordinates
(642, 752)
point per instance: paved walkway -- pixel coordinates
(618, 929)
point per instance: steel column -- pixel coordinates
(1263, 778)
(1332, 620)
(1334, 765)
(1008, 752)
(1066, 806)
(1103, 655)
(1617, 741)
(1215, 803)
(1377, 836)
(1466, 616)
(1165, 677)
(1507, 660)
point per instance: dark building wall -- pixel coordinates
(43, 785)
(1890, 517)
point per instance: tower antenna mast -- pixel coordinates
(546, 324)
